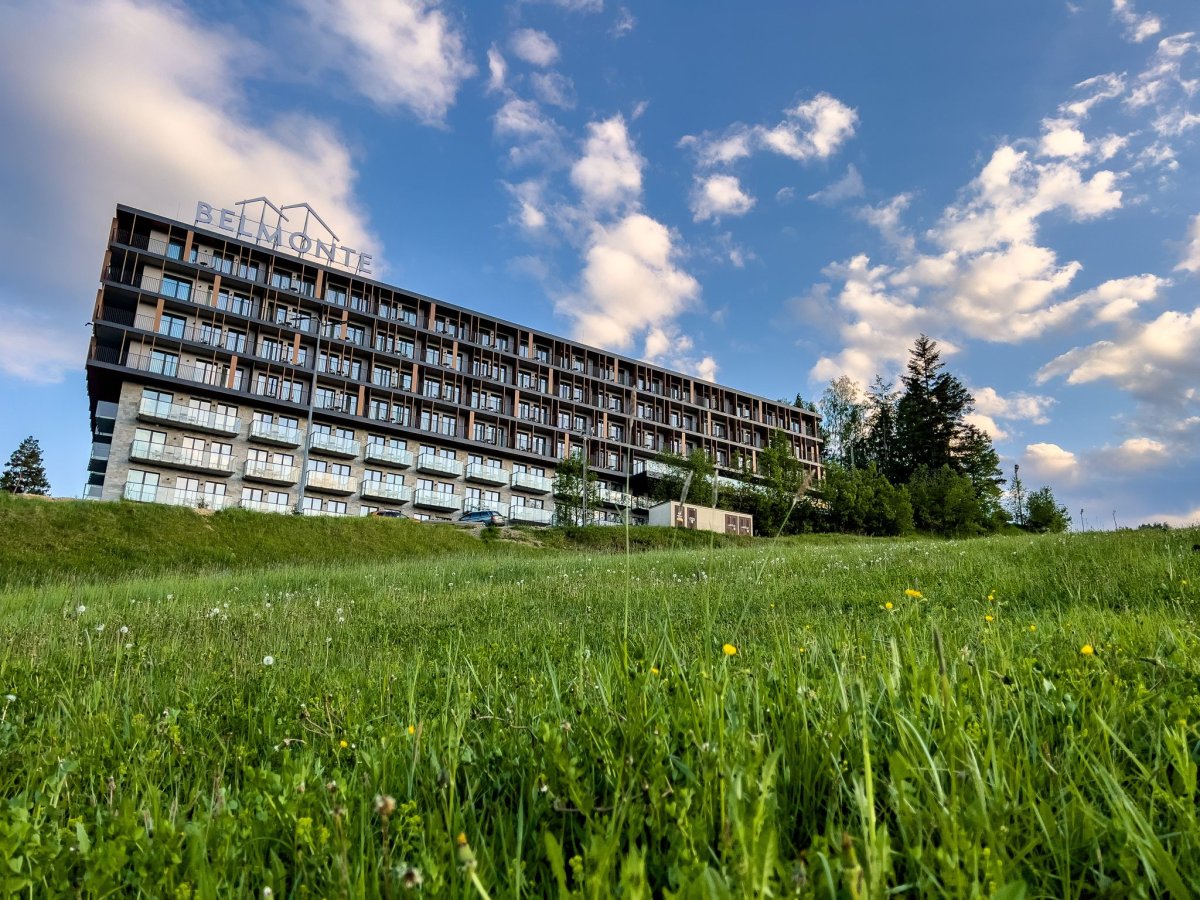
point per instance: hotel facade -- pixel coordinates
(233, 366)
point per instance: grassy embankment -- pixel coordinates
(575, 718)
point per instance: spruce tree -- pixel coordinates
(930, 414)
(24, 473)
(879, 437)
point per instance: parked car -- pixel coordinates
(482, 517)
(389, 514)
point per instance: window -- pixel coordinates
(335, 295)
(141, 486)
(616, 432)
(236, 303)
(235, 341)
(163, 363)
(433, 356)
(172, 326)
(176, 287)
(175, 249)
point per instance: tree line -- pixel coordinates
(896, 460)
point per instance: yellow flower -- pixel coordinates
(799, 649)
(888, 605)
(989, 618)
(1087, 650)
(412, 729)
(1033, 628)
(1183, 581)
(343, 744)
(909, 592)
(654, 670)
(729, 650)
(461, 840)
(991, 597)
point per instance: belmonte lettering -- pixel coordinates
(259, 231)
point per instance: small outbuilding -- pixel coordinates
(674, 514)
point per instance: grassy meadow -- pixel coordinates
(1010, 717)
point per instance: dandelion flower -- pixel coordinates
(1087, 650)
(1033, 628)
(11, 698)
(343, 744)
(889, 605)
(268, 660)
(124, 629)
(412, 729)
(991, 597)
(909, 592)
(989, 618)
(99, 627)
(385, 804)
(654, 670)
(729, 650)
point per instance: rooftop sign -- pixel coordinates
(260, 229)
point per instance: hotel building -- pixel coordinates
(222, 372)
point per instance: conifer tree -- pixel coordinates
(24, 473)
(930, 414)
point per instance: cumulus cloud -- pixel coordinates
(534, 47)
(534, 137)
(1050, 461)
(1019, 406)
(1132, 455)
(886, 219)
(719, 195)
(554, 89)
(847, 187)
(1137, 28)
(133, 83)
(1060, 137)
(1191, 252)
(813, 129)
(609, 174)
(631, 281)
(407, 53)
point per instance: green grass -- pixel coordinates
(573, 716)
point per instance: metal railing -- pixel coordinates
(216, 375)
(478, 504)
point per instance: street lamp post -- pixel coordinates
(584, 489)
(312, 399)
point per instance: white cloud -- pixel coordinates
(1133, 454)
(1137, 28)
(1097, 89)
(987, 425)
(530, 215)
(813, 129)
(631, 282)
(534, 47)
(1019, 406)
(535, 137)
(719, 195)
(1115, 300)
(848, 186)
(1050, 461)
(1061, 138)
(497, 69)
(407, 53)
(785, 195)
(624, 24)
(554, 89)
(609, 174)
(133, 84)
(885, 218)
(1177, 520)
(578, 6)
(1167, 88)
(1191, 253)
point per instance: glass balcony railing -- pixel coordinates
(181, 457)
(328, 481)
(530, 514)
(477, 504)
(384, 490)
(272, 433)
(441, 465)
(148, 493)
(266, 506)
(487, 474)
(333, 444)
(436, 499)
(178, 414)
(392, 456)
(538, 484)
(276, 473)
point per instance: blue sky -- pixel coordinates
(769, 194)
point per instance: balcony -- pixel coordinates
(485, 474)
(332, 445)
(530, 514)
(386, 490)
(391, 456)
(271, 433)
(182, 458)
(211, 374)
(93, 492)
(147, 493)
(265, 506)
(436, 499)
(440, 465)
(189, 417)
(477, 504)
(98, 459)
(322, 512)
(614, 498)
(534, 484)
(331, 483)
(272, 473)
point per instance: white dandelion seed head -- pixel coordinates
(11, 698)
(124, 629)
(80, 609)
(268, 660)
(99, 627)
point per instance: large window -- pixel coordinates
(176, 287)
(172, 326)
(163, 363)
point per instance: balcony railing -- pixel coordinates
(476, 504)
(436, 499)
(215, 375)
(614, 498)
(93, 492)
(275, 473)
(198, 419)
(272, 433)
(384, 490)
(441, 465)
(146, 493)
(487, 474)
(537, 484)
(266, 506)
(333, 445)
(309, 511)
(182, 458)
(530, 514)
(331, 483)
(392, 456)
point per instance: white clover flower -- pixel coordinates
(268, 660)
(170, 596)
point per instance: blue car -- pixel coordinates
(481, 517)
